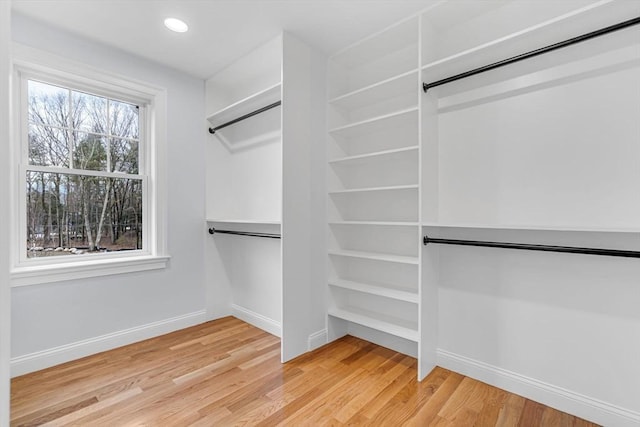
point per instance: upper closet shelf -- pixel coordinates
(379, 45)
(376, 123)
(241, 221)
(379, 223)
(247, 105)
(534, 227)
(549, 32)
(378, 92)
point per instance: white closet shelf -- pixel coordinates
(373, 155)
(374, 124)
(376, 256)
(371, 189)
(533, 227)
(391, 325)
(243, 221)
(389, 88)
(378, 45)
(379, 289)
(247, 105)
(533, 37)
(382, 223)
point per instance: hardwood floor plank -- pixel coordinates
(383, 397)
(511, 411)
(461, 399)
(241, 397)
(227, 372)
(376, 382)
(441, 386)
(71, 417)
(328, 398)
(51, 413)
(531, 414)
(494, 400)
(303, 395)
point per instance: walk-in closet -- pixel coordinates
(372, 212)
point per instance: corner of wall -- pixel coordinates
(5, 290)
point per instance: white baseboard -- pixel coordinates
(317, 339)
(21, 365)
(257, 320)
(568, 401)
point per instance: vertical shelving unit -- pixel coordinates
(374, 194)
(471, 160)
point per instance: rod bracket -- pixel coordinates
(212, 230)
(425, 87)
(425, 240)
(212, 131)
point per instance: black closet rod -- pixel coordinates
(244, 233)
(530, 247)
(246, 116)
(531, 54)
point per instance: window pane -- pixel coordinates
(48, 104)
(89, 112)
(123, 119)
(124, 156)
(48, 146)
(69, 215)
(89, 151)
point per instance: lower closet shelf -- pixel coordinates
(391, 325)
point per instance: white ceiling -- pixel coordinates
(220, 30)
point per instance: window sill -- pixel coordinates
(34, 275)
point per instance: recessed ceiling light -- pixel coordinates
(175, 24)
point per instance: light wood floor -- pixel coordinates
(226, 373)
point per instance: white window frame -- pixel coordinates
(31, 64)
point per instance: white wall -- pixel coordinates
(48, 316)
(562, 155)
(5, 292)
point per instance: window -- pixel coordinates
(84, 186)
(87, 185)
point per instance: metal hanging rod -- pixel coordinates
(244, 233)
(530, 247)
(531, 54)
(246, 116)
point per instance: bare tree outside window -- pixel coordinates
(84, 191)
